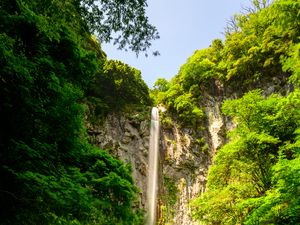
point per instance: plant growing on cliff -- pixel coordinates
(168, 200)
(118, 85)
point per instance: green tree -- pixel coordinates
(161, 85)
(158, 92)
(119, 84)
(124, 22)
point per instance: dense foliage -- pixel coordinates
(124, 22)
(255, 177)
(119, 85)
(167, 200)
(49, 173)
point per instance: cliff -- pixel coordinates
(184, 159)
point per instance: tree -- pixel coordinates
(124, 22)
(119, 84)
(161, 85)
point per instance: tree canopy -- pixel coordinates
(123, 22)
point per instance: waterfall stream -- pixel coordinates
(153, 166)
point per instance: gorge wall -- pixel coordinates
(185, 155)
(182, 168)
(185, 152)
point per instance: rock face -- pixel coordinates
(188, 154)
(184, 159)
(185, 152)
(185, 164)
(127, 139)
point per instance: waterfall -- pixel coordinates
(153, 166)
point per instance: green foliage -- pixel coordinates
(124, 22)
(178, 101)
(201, 66)
(160, 87)
(292, 64)
(168, 200)
(281, 204)
(253, 176)
(264, 35)
(50, 174)
(119, 85)
(99, 190)
(165, 120)
(182, 94)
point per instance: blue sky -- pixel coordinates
(184, 26)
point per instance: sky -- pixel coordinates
(184, 26)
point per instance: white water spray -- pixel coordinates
(153, 166)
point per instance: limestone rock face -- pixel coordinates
(128, 140)
(185, 162)
(185, 156)
(188, 154)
